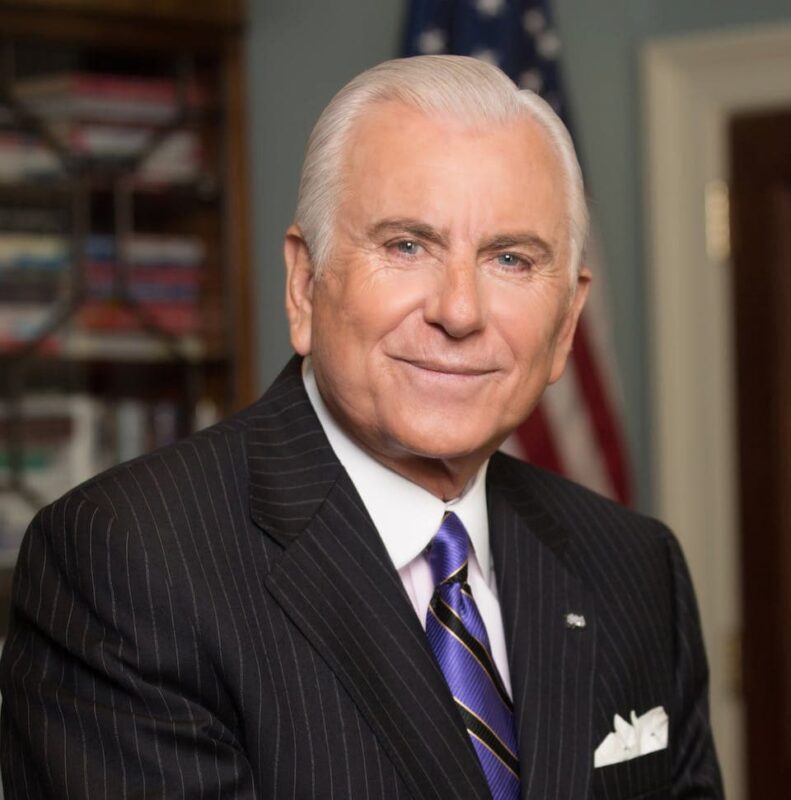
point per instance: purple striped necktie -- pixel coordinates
(458, 637)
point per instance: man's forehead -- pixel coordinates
(395, 148)
(393, 144)
(393, 119)
(394, 110)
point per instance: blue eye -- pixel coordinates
(408, 247)
(509, 260)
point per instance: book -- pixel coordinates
(107, 97)
(33, 251)
(176, 158)
(101, 140)
(24, 157)
(59, 450)
(32, 219)
(29, 286)
(144, 293)
(50, 346)
(159, 284)
(98, 273)
(76, 343)
(173, 318)
(106, 85)
(131, 427)
(149, 249)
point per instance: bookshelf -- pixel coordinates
(125, 284)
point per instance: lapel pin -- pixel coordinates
(575, 622)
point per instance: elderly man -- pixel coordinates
(345, 591)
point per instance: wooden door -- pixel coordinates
(761, 225)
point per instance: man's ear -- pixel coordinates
(299, 289)
(569, 324)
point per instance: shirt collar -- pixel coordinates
(405, 514)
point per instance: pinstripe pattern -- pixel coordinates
(220, 619)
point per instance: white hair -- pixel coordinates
(458, 86)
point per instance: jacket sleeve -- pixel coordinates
(102, 675)
(696, 773)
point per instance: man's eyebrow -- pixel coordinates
(504, 241)
(409, 226)
(420, 230)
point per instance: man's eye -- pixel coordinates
(511, 261)
(407, 247)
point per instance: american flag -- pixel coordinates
(576, 428)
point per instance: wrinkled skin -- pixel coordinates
(447, 303)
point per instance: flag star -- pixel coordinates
(548, 45)
(431, 41)
(489, 8)
(533, 21)
(531, 79)
(487, 56)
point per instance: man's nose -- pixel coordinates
(457, 303)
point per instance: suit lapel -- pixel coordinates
(551, 664)
(337, 584)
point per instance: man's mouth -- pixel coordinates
(447, 368)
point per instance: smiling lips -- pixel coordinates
(440, 368)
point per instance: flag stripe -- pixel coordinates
(571, 422)
(538, 441)
(604, 423)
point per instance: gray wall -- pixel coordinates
(300, 53)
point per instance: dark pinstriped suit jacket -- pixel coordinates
(220, 619)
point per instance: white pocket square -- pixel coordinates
(646, 734)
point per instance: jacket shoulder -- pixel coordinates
(189, 466)
(582, 511)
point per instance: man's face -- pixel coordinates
(447, 305)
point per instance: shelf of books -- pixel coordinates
(123, 282)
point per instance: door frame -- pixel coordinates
(691, 86)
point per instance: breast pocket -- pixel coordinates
(643, 778)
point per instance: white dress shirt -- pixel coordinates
(407, 517)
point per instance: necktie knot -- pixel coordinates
(449, 552)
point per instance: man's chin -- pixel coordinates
(447, 445)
